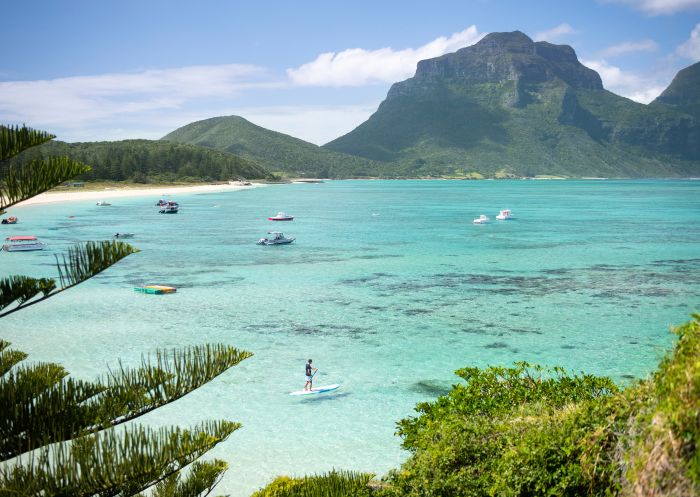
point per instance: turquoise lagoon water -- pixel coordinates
(389, 288)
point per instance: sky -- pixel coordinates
(89, 70)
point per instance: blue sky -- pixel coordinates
(110, 70)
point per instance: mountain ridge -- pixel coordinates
(508, 104)
(275, 151)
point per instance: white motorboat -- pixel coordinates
(281, 216)
(504, 215)
(123, 235)
(277, 238)
(481, 219)
(103, 202)
(22, 244)
(170, 207)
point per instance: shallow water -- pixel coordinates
(389, 288)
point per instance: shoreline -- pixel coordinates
(108, 194)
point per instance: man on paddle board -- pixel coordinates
(310, 371)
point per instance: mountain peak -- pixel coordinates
(504, 57)
(514, 41)
(684, 90)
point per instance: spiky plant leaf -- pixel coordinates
(200, 480)
(20, 183)
(14, 139)
(10, 358)
(169, 376)
(39, 406)
(331, 484)
(114, 462)
(22, 289)
(82, 263)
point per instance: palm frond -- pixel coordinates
(22, 289)
(112, 463)
(82, 263)
(22, 182)
(200, 480)
(39, 406)
(14, 139)
(171, 375)
(9, 359)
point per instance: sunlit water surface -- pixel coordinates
(389, 288)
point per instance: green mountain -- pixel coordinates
(684, 92)
(275, 151)
(508, 105)
(150, 160)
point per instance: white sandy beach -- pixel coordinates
(110, 194)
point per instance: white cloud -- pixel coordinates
(555, 33)
(642, 89)
(630, 47)
(79, 100)
(357, 66)
(691, 48)
(661, 7)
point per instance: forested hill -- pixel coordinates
(275, 151)
(150, 160)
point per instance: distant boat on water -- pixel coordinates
(22, 244)
(103, 202)
(281, 216)
(169, 207)
(276, 239)
(481, 219)
(504, 215)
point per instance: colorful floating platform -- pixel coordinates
(155, 289)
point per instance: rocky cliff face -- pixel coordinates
(501, 58)
(510, 103)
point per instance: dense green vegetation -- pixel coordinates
(58, 435)
(275, 151)
(334, 483)
(529, 431)
(507, 105)
(151, 161)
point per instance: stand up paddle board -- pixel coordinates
(326, 388)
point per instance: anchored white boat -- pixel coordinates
(277, 238)
(123, 235)
(481, 219)
(281, 216)
(103, 202)
(504, 215)
(22, 244)
(170, 207)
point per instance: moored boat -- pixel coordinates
(170, 207)
(276, 239)
(10, 220)
(281, 216)
(22, 244)
(123, 235)
(481, 219)
(103, 202)
(504, 215)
